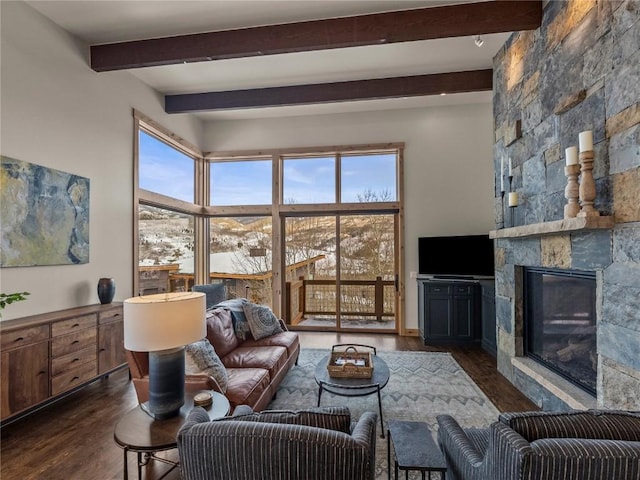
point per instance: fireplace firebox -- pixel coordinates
(560, 323)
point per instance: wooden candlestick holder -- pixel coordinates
(587, 189)
(571, 191)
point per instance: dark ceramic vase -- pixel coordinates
(106, 290)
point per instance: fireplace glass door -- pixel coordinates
(560, 323)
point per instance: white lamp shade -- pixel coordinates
(164, 321)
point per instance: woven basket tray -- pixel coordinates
(350, 364)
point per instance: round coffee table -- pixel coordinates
(354, 387)
(139, 432)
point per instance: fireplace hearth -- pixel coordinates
(560, 323)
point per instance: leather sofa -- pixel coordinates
(575, 445)
(316, 444)
(255, 368)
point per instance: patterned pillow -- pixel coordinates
(202, 358)
(262, 321)
(240, 325)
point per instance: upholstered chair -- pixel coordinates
(316, 444)
(576, 445)
(214, 292)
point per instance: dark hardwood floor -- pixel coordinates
(73, 438)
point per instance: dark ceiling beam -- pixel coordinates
(397, 87)
(391, 27)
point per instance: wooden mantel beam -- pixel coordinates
(397, 87)
(373, 29)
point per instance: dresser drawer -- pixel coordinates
(463, 289)
(74, 377)
(438, 289)
(110, 316)
(71, 325)
(72, 360)
(24, 336)
(73, 342)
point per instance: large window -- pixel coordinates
(315, 233)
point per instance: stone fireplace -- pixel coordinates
(577, 72)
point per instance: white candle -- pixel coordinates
(571, 155)
(510, 168)
(585, 140)
(513, 199)
(502, 174)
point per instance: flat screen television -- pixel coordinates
(456, 256)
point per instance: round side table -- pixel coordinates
(354, 387)
(139, 432)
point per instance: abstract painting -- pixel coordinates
(44, 215)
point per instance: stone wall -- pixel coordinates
(579, 71)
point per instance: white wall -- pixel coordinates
(59, 113)
(448, 164)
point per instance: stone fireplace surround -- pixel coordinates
(577, 72)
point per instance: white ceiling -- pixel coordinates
(109, 21)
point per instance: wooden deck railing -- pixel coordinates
(358, 298)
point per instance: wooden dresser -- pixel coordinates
(49, 355)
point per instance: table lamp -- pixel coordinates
(162, 325)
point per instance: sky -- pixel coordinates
(306, 180)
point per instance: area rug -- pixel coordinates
(422, 385)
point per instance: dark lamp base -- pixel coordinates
(166, 383)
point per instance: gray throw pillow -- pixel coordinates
(240, 325)
(200, 357)
(262, 321)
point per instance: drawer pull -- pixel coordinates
(75, 341)
(19, 339)
(75, 360)
(42, 372)
(75, 325)
(74, 379)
